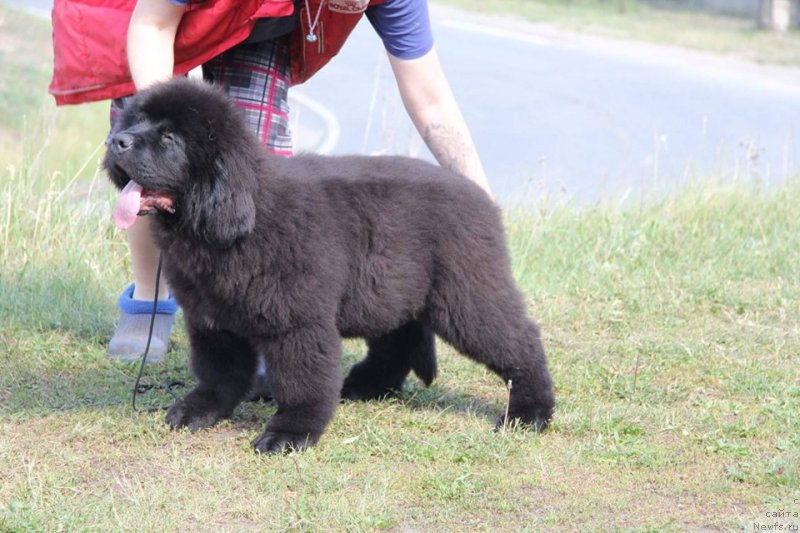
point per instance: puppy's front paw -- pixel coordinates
(193, 412)
(273, 442)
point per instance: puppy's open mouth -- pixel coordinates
(134, 201)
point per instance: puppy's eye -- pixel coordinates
(167, 138)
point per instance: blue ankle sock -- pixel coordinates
(144, 307)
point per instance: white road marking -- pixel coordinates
(332, 129)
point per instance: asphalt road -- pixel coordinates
(562, 115)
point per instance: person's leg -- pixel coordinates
(136, 302)
(256, 76)
(144, 262)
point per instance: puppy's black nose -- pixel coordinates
(120, 142)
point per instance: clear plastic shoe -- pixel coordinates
(130, 337)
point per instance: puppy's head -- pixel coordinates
(180, 150)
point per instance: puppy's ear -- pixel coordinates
(222, 209)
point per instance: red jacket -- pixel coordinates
(90, 60)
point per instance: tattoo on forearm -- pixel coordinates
(447, 146)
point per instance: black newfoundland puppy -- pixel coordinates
(285, 256)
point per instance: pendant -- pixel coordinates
(311, 37)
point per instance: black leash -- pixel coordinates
(141, 388)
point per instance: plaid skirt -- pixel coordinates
(256, 76)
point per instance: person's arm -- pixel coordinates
(151, 40)
(432, 107)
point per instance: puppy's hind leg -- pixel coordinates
(224, 364)
(389, 360)
(490, 326)
(305, 378)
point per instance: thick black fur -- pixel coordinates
(284, 256)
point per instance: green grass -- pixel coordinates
(673, 331)
(35, 136)
(635, 20)
(672, 327)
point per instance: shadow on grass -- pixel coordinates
(66, 299)
(438, 399)
(36, 392)
(57, 322)
(52, 357)
(252, 415)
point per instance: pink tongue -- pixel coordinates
(127, 205)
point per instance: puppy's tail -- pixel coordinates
(423, 359)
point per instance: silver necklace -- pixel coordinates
(312, 36)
